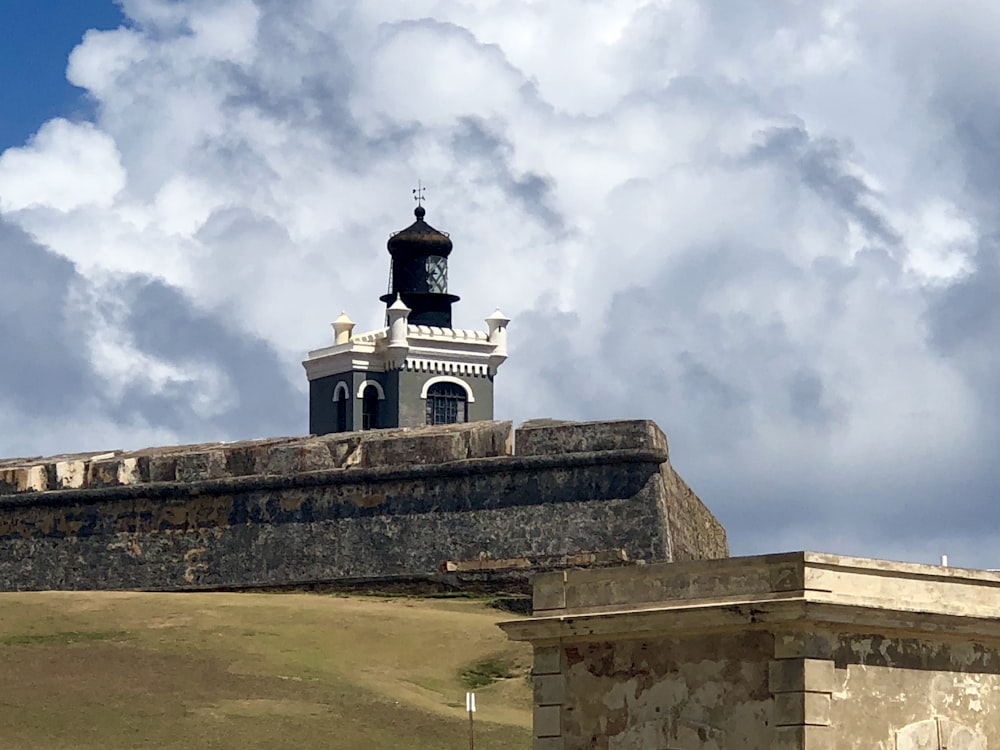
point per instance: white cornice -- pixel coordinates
(446, 367)
(447, 351)
(446, 334)
(321, 365)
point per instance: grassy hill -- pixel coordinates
(224, 670)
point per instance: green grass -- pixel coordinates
(227, 670)
(487, 671)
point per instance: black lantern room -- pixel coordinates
(420, 273)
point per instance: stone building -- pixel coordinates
(416, 370)
(795, 651)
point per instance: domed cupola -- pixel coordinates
(419, 272)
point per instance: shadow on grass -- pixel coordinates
(64, 638)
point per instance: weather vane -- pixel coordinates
(418, 193)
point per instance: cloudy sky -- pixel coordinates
(770, 227)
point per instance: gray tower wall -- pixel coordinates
(412, 408)
(402, 406)
(323, 409)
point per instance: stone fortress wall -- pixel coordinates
(401, 504)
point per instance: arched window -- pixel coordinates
(369, 408)
(341, 402)
(447, 403)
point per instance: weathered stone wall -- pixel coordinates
(800, 651)
(947, 690)
(706, 691)
(367, 505)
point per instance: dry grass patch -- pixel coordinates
(108, 670)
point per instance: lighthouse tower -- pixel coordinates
(418, 370)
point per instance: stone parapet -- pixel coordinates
(186, 464)
(385, 504)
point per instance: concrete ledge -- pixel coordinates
(811, 576)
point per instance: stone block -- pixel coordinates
(549, 593)
(103, 472)
(797, 709)
(490, 439)
(579, 437)
(71, 475)
(804, 738)
(804, 645)
(293, 458)
(315, 456)
(163, 468)
(434, 445)
(549, 689)
(37, 478)
(801, 675)
(547, 721)
(196, 467)
(412, 450)
(241, 461)
(133, 470)
(8, 481)
(344, 448)
(548, 660)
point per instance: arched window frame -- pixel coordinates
(341, 401)
(374, 384)
(369, 406)
(449, 407)
(469, 396)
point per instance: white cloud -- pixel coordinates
(66, 166)
(732, 221)
(941, 242)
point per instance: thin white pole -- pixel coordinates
(470, 706)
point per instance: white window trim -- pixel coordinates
(469, 397)
(341, 386)
(373, 383)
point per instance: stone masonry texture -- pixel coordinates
(377, 505)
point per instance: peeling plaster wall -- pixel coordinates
(906, 694)
(701, 693)
(794, 651)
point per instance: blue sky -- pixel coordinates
(771, 228)
(36, 37)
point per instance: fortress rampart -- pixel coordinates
(403, 504)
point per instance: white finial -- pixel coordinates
(399, 305)
(497, 323)
(342, 329)
(398, 314)
(497, 319)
